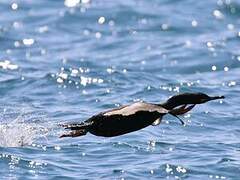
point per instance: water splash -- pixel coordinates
(19, 134)
(23, 130)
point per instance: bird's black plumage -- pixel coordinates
(135, 116)
(121, 120)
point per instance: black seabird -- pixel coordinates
(136, 116)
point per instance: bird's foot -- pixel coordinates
(74, 133)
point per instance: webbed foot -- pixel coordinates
(75, 133)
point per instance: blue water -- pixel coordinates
(64, 61)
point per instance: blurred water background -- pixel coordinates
(64, 61)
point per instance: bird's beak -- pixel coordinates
(217, 97)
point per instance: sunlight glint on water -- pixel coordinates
(64, 61)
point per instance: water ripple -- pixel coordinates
(64, 61)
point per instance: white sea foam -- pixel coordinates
(19, 131)
(18, 134)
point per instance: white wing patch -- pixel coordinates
(135, 107)
(157, 122)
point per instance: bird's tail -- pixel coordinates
(80, 129)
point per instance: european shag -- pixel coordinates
(136, 116)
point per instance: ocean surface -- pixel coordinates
(64, 61)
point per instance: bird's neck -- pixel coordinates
(169, 105)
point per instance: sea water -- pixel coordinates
(63, 61)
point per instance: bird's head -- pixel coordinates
(189, 98)
(199, 98)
